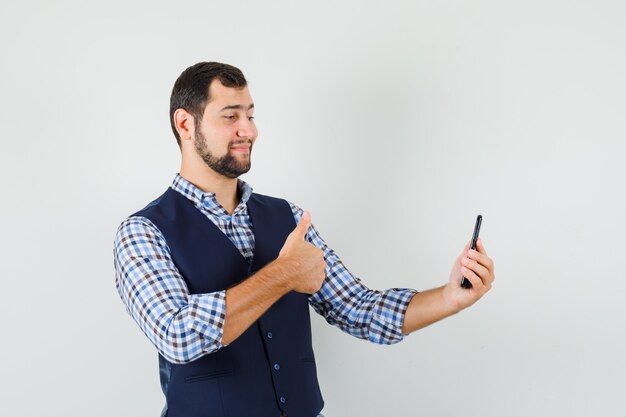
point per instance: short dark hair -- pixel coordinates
(191, 89)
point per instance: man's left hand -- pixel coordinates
(476, 267)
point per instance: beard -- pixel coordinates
(226, 165)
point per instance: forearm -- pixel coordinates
(247, 301)
(425, 309)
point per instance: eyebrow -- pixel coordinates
(237, 107)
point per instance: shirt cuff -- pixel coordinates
(207, 313)
(388, 316)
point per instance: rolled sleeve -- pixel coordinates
(388, 315)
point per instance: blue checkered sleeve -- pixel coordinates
(345, 302)
(182, 326)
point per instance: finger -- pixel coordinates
(477, 283)
(303, 225)
(482, 259)
(480, 247)
(476, 267)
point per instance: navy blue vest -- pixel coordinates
(270, 369)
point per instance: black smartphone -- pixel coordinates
(465, 283)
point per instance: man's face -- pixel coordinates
(225, 135)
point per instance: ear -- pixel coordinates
(184, 123)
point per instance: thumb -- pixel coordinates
(303, 225)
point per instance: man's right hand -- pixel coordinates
(305, 261)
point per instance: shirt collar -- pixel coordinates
(207, 200)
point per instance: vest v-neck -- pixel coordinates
(216, 230)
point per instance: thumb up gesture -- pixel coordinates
(304, 261)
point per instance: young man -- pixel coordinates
(220, 279)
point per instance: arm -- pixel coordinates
(184, 326)
(386, 316)
(433, 305)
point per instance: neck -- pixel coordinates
(207, 180)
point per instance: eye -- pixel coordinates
(229, 117)
(251, 118)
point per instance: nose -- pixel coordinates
(247, 129)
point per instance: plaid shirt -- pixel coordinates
(184, 326)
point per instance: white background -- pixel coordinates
(394, 123)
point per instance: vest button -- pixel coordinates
(283, 400)
(277, 366)
(269, 335)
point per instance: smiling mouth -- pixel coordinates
(241, 148)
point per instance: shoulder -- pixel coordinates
(135, 223)
(136, 231)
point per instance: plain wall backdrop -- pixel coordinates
(395, 123)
